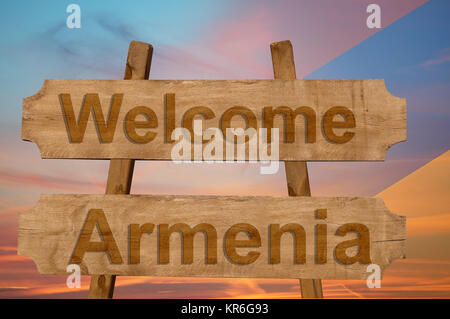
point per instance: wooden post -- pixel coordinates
(296, 172)
(121, 171)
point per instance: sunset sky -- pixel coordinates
(230, 40)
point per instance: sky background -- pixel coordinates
(230, 40)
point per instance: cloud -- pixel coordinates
(123, 31)
(244, 41)
(26, 179)
(169, 59)
(206, 179)
(429, 225)
(443, 57)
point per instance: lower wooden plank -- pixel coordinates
(138, 232)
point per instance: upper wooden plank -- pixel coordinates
(379, 117)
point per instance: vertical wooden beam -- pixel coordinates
(120, 171)
(296, 172)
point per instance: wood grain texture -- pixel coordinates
(380, 117)
(296, 172)
(120, 172)
(50, 231)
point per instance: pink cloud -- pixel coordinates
(243, 41)
(319, 30)
(26, 179)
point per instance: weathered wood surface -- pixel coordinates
(49, 233)
(296, 172)
(380, 118)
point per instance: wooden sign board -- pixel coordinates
(318, 120)
(224, 236)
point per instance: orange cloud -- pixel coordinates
(428, 225)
